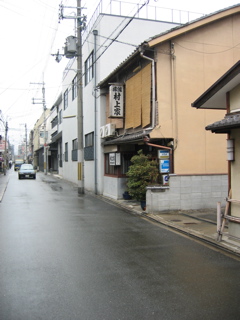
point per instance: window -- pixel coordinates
(66, 151)
(74, 88)
(41, 134)
(54, 134)
(89, 139)
(60, 117)
(54, 122)
(60, 155)
(118, 171)
(89, 146)
(88, 69)
(65, 100)
(74, 150)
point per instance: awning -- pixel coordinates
(129, 138)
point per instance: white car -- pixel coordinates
(26, 171)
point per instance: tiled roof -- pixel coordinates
(145, 44)
(133, 137)
(231, 121)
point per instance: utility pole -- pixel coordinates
(26, 140)
(5, 145)
(5, 149)
(43, 102)
(81, 20)
(80, 101)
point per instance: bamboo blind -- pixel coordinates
(138, 99)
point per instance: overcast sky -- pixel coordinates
(29, 33)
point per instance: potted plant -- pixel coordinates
(141, 173)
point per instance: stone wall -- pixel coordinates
(188, 192)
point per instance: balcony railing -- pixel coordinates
(130, 9)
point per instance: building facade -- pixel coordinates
(40, 136)
(159, 81)
(108, 39)
(225, 94)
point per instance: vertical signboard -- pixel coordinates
(114, 159)
(116, 100)
(164, 162)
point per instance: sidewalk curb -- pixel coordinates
(3, 186)
(198, 236)
(228, 248)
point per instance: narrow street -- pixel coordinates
(65, 256)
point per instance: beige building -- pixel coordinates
(225, 94)
(158, 83)
(40, 128)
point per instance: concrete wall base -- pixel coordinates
(188, 192)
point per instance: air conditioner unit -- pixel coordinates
(110, 129)
(102, 132)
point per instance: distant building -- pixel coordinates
(40, 132)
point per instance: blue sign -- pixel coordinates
(164, 166)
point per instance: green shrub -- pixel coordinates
(141, 173)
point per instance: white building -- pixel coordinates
(54, 150)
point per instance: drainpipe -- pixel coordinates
(228, 137)
(153, 124)
(160, 147)
(95, 33)
(173, 96)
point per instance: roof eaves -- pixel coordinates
(231, 121)
(130, 138)
(219, 84)
(120, 66)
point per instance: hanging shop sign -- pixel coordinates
(116, 100)
(114, 159)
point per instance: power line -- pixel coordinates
(126, 25)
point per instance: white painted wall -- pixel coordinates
(69, 127)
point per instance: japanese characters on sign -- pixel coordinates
(114, 159)
(116, 100)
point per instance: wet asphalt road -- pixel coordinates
(64, 256)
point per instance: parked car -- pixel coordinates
(26, 171)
